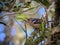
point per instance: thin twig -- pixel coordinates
(26, 31)
(20, 25)
(14, 13)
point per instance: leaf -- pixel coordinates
(22, 17)
(42, 25)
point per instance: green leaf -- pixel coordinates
(22, 17)
(42, 25)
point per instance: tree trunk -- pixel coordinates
(55, 37)
(57, 12)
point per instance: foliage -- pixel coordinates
(22, 17)
(44, 2)
(39, 34)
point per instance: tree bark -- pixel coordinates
(57, 12)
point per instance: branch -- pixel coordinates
(14, 13)
(20, 25)
(50, 7)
